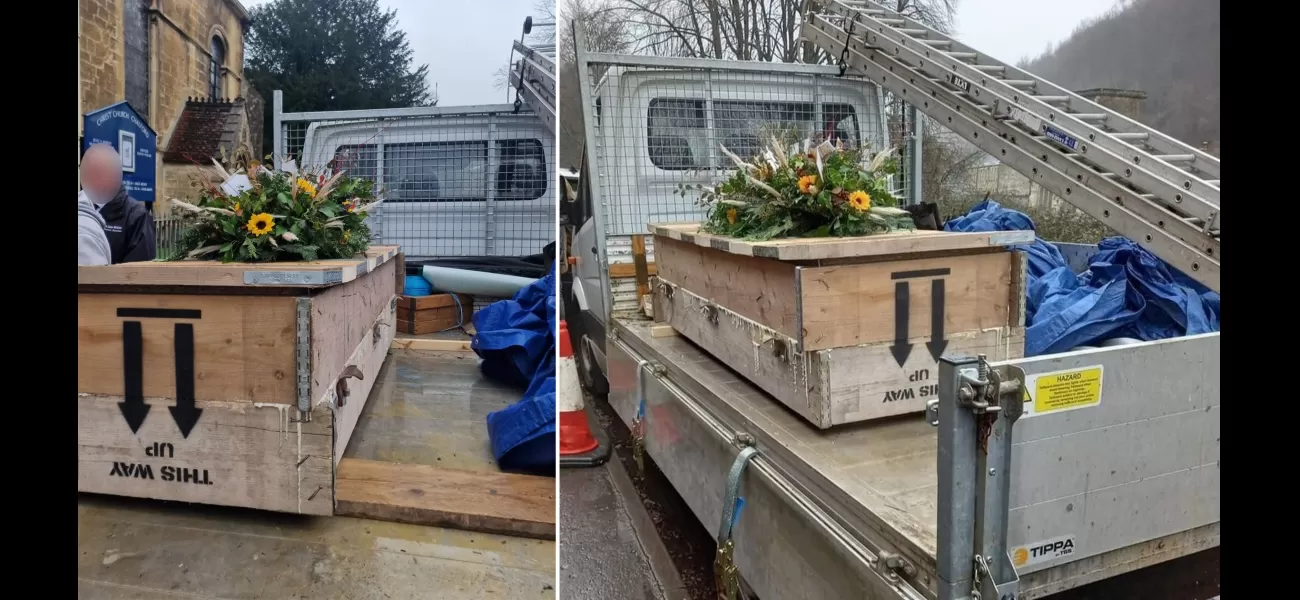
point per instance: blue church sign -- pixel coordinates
(119, 125)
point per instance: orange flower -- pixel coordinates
(731, 216)
(860, 201)
(808, 184)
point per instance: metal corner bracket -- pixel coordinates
(302, 356)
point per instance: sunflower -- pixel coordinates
(860, 201)
(731, 216)
(261, 224)
(808, 184)
(307, 186)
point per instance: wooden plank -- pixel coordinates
(368, 356)
(449, 315)
(238, 454)
(628, 270)
(400, 274)
(212, 273)
(408, 327)
(341, 317)
(849, 305)
(662, 331)
(402, 342)
(804, 249)
(435, 301)
(227, 331)
(758, 289)
(501, 503)
(642, 270)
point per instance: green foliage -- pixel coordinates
(282, 217)
(803, 191)
(332, 55)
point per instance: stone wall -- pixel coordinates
(101, 64)
(182, 182)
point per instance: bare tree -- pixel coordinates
(605, 31)
(762, 30)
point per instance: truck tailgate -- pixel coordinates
(822, 505)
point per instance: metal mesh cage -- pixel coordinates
(457, 182)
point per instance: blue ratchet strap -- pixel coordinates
(638, 424)
(726, 576)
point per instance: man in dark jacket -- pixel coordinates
(127, 222)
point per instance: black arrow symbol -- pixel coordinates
(185, 413)
(937, 343)
(134, 410)
(901, 347)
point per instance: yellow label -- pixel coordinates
(1067, 389)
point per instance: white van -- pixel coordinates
(457, 182)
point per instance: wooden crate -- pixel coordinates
(418, 315)
(844, 330)
(191, 375)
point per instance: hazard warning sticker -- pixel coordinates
(1060, 391)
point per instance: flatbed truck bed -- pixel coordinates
(428, 408)
(823, 507)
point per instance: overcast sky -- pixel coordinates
(464, 43)
(1009, 30)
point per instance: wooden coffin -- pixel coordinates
(843, 330)
(224, 383)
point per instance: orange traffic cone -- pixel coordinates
(575, 432)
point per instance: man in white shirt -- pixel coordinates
(92, 243)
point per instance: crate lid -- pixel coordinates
(885, 244)
(207, 273)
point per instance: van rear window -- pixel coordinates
(677, 136)
(449, 171)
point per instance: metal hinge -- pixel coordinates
(302, 356)
(893, 567)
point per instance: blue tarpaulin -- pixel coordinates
(516, 340)
(1127, 292)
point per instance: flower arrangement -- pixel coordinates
(277, 216)
(804, 191)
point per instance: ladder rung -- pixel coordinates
(991, 68)
(912, 31)
(1057, 99)
(1020, 83)
(1212, 181)
(964, 55)
(1140, 136)
(892, 22)
(1089, 116)
(1172, 158)
(937, 43)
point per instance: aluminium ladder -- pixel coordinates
(1153, 189)
(533, 76)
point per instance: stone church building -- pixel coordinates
(180, 65)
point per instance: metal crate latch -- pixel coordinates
(978, 405)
